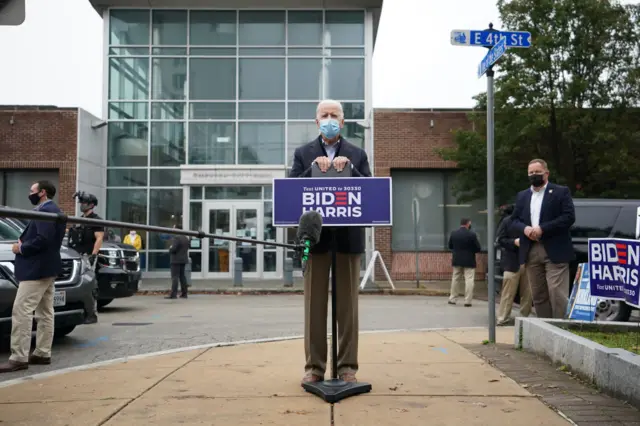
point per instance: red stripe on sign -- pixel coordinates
(340, 193)
(622, 261)
(341, 198)
(341, 204)
(621, 246)
(622, 254)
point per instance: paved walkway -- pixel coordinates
(417, 378)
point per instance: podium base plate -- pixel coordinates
(334, 390)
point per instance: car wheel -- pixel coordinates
(612, 310)
(63, 331)
(104, 302)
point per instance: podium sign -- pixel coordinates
(340, 201)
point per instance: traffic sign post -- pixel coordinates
(497, 42)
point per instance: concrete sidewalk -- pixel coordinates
(417, 377)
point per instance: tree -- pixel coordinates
(572, 99)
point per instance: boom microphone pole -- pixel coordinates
(63, 218)
(309, 230)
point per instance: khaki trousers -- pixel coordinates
(510, 284)
(549, 283)
(460, 275)
(316, 296)
(32, 296)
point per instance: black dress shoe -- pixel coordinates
(39, 360)
(11, 366)
(183, 296)
(170, 297)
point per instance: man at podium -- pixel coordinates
(329, 150)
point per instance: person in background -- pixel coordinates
(37, 264)
(464, 244)
(330, 149)
(514, 277)
(133, 239)
(179, 251)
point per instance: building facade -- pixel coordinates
(62, 145)
(405, 149)
(205, 106)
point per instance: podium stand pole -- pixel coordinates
(334, 390)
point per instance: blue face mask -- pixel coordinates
(330, 128)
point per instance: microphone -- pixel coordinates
(309, 229)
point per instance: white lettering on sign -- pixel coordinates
(333, 202)
(612, 261)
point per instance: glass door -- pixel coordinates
(241, 219)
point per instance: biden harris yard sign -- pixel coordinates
(614, 269)
(340, 201)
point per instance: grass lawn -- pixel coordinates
(623, 340)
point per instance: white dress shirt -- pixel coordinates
(536, 205)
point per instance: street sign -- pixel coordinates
(492, 56)
(490, 38)
(12, 12)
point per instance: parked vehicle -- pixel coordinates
(596, 218)
(72, 298)
(119, 273)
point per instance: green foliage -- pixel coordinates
(571, 99)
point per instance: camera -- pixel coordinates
(86, 198)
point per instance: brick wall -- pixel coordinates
(407, 140)
(42, 138)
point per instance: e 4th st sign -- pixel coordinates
(490, 38)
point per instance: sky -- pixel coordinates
(55, 56)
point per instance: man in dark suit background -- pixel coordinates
(514, 276)
(464, 244)
(327, 150)
(179, 258)
(543, 217)
(37, 264)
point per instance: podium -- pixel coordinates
(342, 201)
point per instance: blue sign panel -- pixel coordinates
(614, 268)
(517, 39)
(582, 305)
(340, 201)
(492, 56)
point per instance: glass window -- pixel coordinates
(261, 110)
(305, 28)
(354, 133)
(169, 51)
(262, 51)
(167, 110)
(195, 192)
(302, 51)
(455, 211)
(128, 26)
(346, 78)
(127, 144)
(426, 189)
(127, 177)
(213, 110)
(203, 86)
(195, 215)
(166, 211)
(129, 51)
(261, 28)
(255, 72)
(261, 143)
(269, 229)
(344, 28)
(232, 192)
(212, 143)
(595, 221)
(129, 78)
(159, 260)
(165, 177)
(8, 232)
(353, 110)
(626, 223)
(169, 77)
(127, 205)
(299, 134)
(128, 110)
(212, 51)
(302, 110)
(212, 28)
(170, 27)
(354, 51)
(167, 144)
(18, 182)
(305, 79)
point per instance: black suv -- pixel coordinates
(597, 218)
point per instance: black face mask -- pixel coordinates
(85, 208)
(536, 180)
(34, 198)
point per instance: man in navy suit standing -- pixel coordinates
(37, 265)
(328, 150)
(543, 216)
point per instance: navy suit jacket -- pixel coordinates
(349, 239)
(41, 242)
(557, 215)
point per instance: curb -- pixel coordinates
(244, 291)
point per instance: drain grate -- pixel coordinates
(117, 324)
